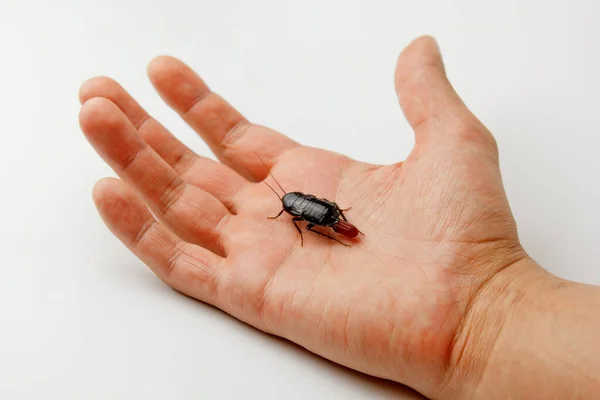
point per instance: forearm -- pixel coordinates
(547, 343)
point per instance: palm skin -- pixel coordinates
(396, 303)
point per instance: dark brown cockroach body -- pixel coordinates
(315, 211)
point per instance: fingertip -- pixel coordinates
(98, 112)
(114, 199)
(110, 198)
(121, 210)
(98, 86)
(423, 51)
(421, 43)
(176, 82)
(428, 40)
(162, 67)
(104, 189)
(162, 58)
(85, 89)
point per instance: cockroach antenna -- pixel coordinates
(269, 186)
(269, 171)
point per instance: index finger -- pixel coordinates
(232, 138)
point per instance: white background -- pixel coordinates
(81, 318)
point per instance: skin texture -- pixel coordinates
(405, 302)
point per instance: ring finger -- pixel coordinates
(192, 213)
(211, 176)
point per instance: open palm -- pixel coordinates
(395, 303)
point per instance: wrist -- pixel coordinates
(489, 321)
(529, 334)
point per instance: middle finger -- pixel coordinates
(192, 213)
(214, 177)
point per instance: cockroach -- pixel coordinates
(315, 211)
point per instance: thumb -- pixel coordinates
(428, 100)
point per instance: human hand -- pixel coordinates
(401, 303)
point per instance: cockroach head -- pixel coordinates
(288, 199)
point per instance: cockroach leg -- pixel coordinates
(294, 220)
(342, 211)
(277, 216)
(310, 227)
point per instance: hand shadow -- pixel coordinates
(371, 387)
